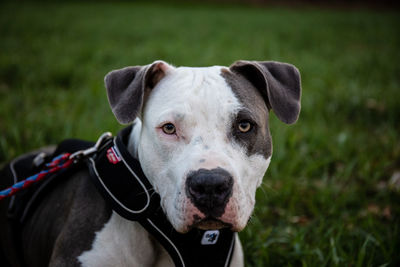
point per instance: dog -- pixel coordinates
(203, 140)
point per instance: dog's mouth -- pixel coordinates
(211, 224)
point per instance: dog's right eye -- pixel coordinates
(169, 128)
(244, 126)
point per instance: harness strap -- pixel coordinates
(120, 181)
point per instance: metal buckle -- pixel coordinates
(84, 153)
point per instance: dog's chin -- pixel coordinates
(211, 224)
(208, 224)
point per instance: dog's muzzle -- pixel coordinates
(209, 190)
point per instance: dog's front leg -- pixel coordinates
(121, 243)
(237, 257)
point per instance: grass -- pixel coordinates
(327, 198)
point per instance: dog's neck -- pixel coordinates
(128, 240)
(133, 141)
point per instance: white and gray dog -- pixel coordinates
(202, 138)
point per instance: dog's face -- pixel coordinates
(205, 143)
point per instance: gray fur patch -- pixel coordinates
(279, 84)
(65, 223)
(258, 139)
(128, 88)
(125, 92)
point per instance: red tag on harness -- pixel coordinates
(113, 156)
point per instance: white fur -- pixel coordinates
(120, 243)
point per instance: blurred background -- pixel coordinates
(331, 196)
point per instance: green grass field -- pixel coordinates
(328, 198)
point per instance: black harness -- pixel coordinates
(120, 180)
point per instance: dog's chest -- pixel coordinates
(124, 243)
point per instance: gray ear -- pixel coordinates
(279, 84)
(126, 88)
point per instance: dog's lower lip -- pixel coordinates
(211, 224)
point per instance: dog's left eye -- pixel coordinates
(169, 128)
(244, 126)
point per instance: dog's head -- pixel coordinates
(204, 141)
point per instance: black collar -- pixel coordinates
(121, 181)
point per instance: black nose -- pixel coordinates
(209, 190)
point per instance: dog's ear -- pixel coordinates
(278, 83)
(127, 87)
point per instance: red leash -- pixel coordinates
(60, 162)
